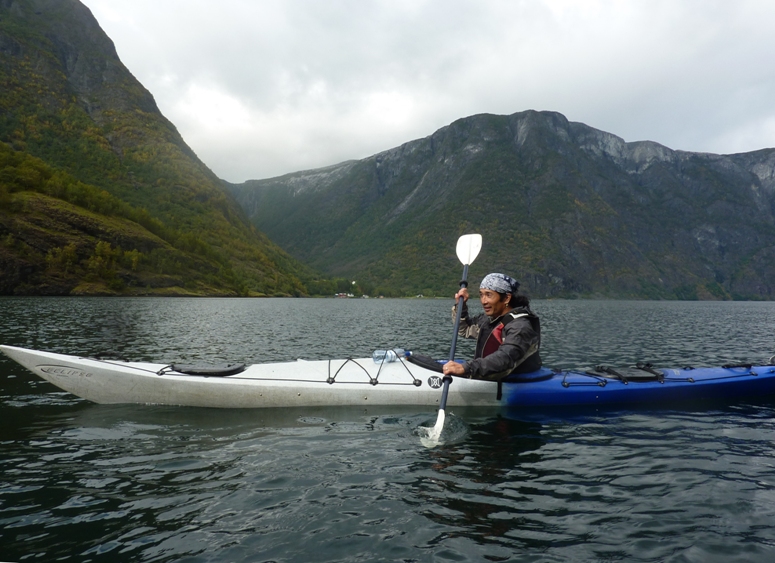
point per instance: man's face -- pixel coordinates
(493, 303)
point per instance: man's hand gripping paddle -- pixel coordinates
(468, 247)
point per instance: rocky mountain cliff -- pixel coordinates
(567, 209)
(98, 191)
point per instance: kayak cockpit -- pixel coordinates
(205, 371)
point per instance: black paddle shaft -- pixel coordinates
(447, 379)
(463, 285)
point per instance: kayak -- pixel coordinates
(413, 380)
(299, 383)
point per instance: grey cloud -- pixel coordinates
(261, 88)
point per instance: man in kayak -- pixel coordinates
(508, 334)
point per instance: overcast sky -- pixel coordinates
(260, 88)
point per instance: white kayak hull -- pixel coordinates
(286, 384)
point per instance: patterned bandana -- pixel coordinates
(500, 283)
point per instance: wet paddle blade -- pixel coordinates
(435, 433)
(431, 437)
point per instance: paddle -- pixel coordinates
(468, 247)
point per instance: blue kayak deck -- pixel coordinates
(582, 388)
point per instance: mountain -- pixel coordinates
(98, 191)
(569, 210)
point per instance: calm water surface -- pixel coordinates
(85, 482)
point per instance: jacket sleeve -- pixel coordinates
(468, 327)
(520, 341)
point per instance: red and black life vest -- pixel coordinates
(495, 339)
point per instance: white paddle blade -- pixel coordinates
(468, 247)
(435, 434)
(430, 436)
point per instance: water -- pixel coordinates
(85, 482)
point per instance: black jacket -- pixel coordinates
(517, 353)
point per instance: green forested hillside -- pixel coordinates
(61, 236)
(88, 166)
(569, 210)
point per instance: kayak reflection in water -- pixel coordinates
(508, 333)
